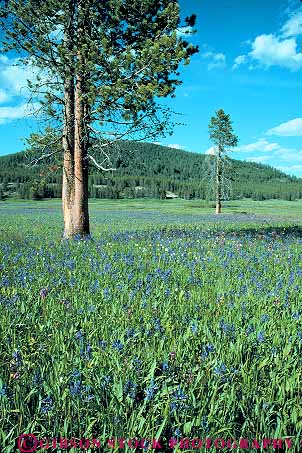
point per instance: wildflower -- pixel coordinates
(130, 333)
(165, 366)
(137, 363)
(105, 382)
(207, 349)
(118, 345)
(46, 405)
(150, 391)
(102, 344)
(172, 355)
(130, 389)
(87, 352)
(86, 395)
(179, 395)
(177, 432)
(205, 424)
(296, 316)
(220, 370)
(17, 357)
(228, 329)
(250, 329)
(44, 292)
(79, 335)
(37, 379)
(15, 375)
(264, 318)
(261, 337)
(194, 329)
(3, 390)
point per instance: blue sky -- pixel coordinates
(250, 64)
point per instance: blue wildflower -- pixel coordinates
(46, 405)
(44, 292)
(261, 337)
(150, 391)
(264, 318)
(3, 390)
(250, 329)
(194, 329)
(207, 349)
(177, 432)
(165, 366)
(130, 389)
(102, 344)
(105, 382)
(75, 388)
(118, 345)
(79, 335)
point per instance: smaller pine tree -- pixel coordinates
(223, 137)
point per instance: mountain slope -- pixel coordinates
(146, 169)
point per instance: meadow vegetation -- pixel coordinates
(168, 322)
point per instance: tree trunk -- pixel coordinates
(80, 208)
(68, 167)
(218, 182)
(68, 133)
(75, 172)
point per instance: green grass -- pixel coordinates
(170, 319)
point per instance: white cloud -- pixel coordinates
(271, 50)
(176, 146)
(261, 145)
(211, 151)
(259, 159)
(279, 49)
(218, 60)
(291, 128)
(4, 96)
(8, 114)
(14, 77)
(290, 168)
(293, 27)
(4, 59)
(241, 59)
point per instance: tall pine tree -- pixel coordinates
(102, 67)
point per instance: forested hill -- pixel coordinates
(147, 170)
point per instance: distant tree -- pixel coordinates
(5, 184)
(221, 133)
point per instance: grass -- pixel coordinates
(172, 322)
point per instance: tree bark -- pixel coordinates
(75, 170)
(69, 129)
(80, 208)
(218, 182)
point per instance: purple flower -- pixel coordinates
(44, 292)
(261, 337)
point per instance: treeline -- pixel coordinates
(146, 170)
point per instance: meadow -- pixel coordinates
(170, 322)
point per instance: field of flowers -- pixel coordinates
(161, 326)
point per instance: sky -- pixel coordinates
(249, 64)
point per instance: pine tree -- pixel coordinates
(221, 133)
(101, 62)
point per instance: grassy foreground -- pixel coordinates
(170, 323)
